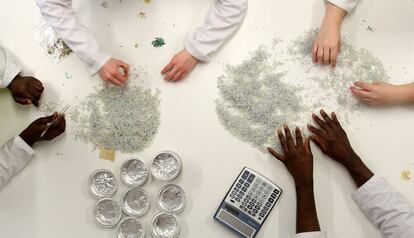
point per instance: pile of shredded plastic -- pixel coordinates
(265, 90)
(124, 119)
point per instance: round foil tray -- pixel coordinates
(107, 213)
(130, 227)
(135, 202)
(134, 172)
(166, 166)
(171, 199)
(102, 184)
(165, 225)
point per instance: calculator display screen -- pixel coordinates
(230, 220)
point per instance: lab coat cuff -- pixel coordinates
(99, 64)
(367, 188)
(191, 47)
(313, 234)
(348, 6)
(20, 143)
(12, 70)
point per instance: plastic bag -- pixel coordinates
(53, 46)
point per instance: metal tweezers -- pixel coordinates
(65, 108)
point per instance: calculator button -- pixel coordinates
(244, 189)
(238, 185)
(259, 204)
(245, 175)
(271, 200)
(241, 181)
(251, 204)
(251, 178)
(276, 191)
(268, 204)
(239, 196)
(248, 197)
(232, 201)
(254, 201)
(255, 210)
(247, 184)
(262, 215)
(273, 195)
(265, 208)
(232, 196)
(238, 199)
(236, 189)
(241, 193)
(257, 207)
(249, 207)
(244, 203)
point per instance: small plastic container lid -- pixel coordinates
(134, 172)
(166, 166)
(107, 213)
(102, 184)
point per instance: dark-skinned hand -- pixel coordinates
(297, 156)
(33, 133)
(26, 90)
(333, 141)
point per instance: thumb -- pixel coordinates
(364, 86)
(307, 146)
(275, 154)
(48, 119)
(318, 141)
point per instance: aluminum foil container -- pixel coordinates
(171, 199)
(134, 172)
(165, 225)
(102, 184)
(107, 213)
(166, 166)
(135, 202)
(130, 227)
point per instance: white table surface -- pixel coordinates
(50, 199)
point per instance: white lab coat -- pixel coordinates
(384, 207)
(347, 5)
(15, 154)
(223, 19)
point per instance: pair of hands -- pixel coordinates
(116, 71)
(330, 137)
(28, 90)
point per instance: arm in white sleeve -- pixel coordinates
(347, 5)
(9, 68)
(224, 18)
(14, 156)
(313, 234)
(61, 16)
(386, 208)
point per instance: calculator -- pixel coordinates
(248, 203)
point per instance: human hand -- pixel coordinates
(333, 141)
(382, 93)
(33, 133)
(326, 46)
(297, 158)
(26, 90)
(111, 72)
(180, 65)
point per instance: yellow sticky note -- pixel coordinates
(106, 154)
(147, 1)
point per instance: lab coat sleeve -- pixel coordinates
(314, 234)
(223, 19)
(386, 208)
(14, 156)
(9, 68)
(61, 16)
(347, 5)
